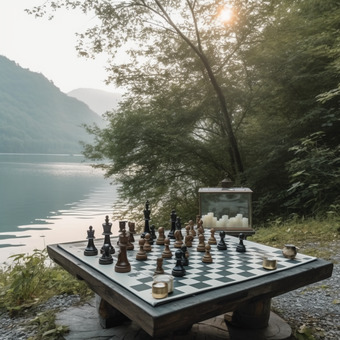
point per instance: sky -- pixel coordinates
(48, 46)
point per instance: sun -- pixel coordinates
(225, 15)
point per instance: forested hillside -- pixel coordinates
(36, 117)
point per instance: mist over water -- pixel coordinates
(47, 199)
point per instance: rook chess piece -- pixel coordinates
(91, 249)
(241, 248)
(178, 270)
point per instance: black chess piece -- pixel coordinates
(178, 270)
(152, 234)
(241, 248)
(185, 258)
(91, 249)
(107, 233)
(147, 213)
(106, 257)
(173, 217)
(221, 244)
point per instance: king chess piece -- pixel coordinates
(147, 213)
(122, 264)
(173, 217)
(107, 233)
(221, 245)
(91, 249)
(178, 270)
(241, 248)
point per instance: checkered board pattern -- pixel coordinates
(228, 267)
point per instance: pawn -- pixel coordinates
(241, 248)
(212, 239)
(161, 237)
(141, 254)
(221, 244)
(167, 254)
(147, 245)
(185, 259)
(159, 268)
(178, 236)
(207, 256)
(178, 270)
(91, 249)
(201, 244)
(106, 257)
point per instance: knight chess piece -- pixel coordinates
(107, 233)
(178, 270)
(241, 248)
(106, 257)
(221, 244)
(91, 249)
(122, 264)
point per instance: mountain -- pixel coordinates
(99, 101)
(36, 117)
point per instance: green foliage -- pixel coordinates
(30, 279)
(36, 117)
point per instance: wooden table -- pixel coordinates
(250, 300)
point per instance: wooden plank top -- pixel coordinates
(163, 319)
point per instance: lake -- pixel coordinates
(47, 199)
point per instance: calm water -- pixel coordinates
(48, 199)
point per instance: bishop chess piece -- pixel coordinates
(107, 233)
(106, 257)
(221, 245)
(173, 217)
(147, 213)
(122, 264)
(167, 254)
(185, 259)
(241, 248)
(178, 270)
(201, 244)
(141, 254)
(207, 256)
(212, 239)
(91, 249)
(159, 268)
(178, 243)
(161, 237)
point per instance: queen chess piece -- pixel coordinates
(107, 233)
(91, 249)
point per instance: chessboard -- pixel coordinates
(228, 267)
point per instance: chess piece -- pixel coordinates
(201, 244)
(178, 270)
(188, 240)
(192, 229)
(91, 249)
(106, 257)
(241, 248)
(178, 243)
(122, 264)
(167, 254)
(161, 237)
(147, 245)
(159, 268)
(212, 239)
(141, 254)
(107, 232)
(221, 244)
(132, 231)
(185, 259)
(207, 256)
(130, 245)
(152, 234)
(122, 226)
(147, 213)
(178, 226)
(173, 217)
